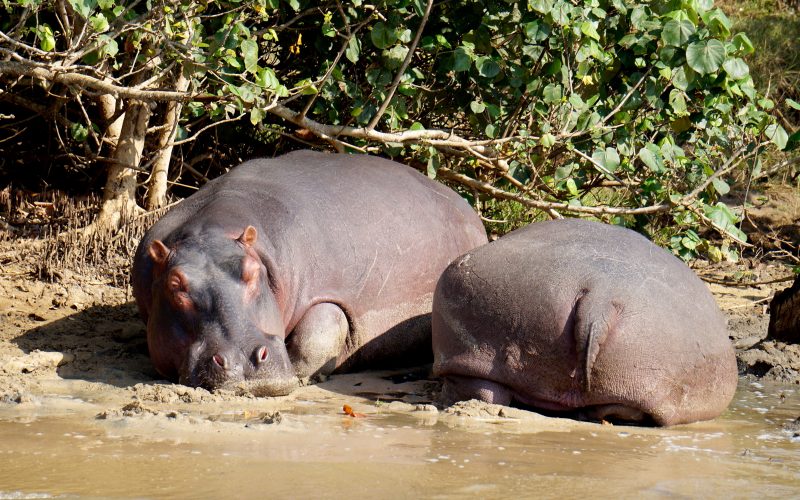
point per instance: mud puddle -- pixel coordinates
(311, 449)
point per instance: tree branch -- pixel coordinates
(401, 71)
(547, 205)
(81, 80)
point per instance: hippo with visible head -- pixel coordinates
(301, 265)
(582, 317)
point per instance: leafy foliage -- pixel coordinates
(624, 109)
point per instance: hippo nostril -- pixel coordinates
(262, 354)
(219, 360)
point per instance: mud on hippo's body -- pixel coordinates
(296, 266)
(583, 317)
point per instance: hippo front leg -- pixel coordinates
(317, 340)
(457, 388)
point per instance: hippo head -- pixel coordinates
(214, 320)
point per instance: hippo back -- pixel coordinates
(574, 314)
(364, 233)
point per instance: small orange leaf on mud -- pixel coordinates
(348, 410)
(605, 422)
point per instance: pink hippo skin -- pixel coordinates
(301, 265)
(586, 318)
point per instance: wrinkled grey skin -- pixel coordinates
(582, 317)
(297, 266)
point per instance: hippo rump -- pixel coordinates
(296, 266)
(584, 318)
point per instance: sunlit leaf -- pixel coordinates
(705, 56)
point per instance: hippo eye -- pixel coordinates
(179, 290)
(182, 300)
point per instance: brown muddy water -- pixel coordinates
(751, 451)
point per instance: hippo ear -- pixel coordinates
(248, 237)
(158, 252)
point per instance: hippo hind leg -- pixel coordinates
(318, 340)
(458, 388)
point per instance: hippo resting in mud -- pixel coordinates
(301, 265)
(582, 318)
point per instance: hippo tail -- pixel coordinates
(596, 316)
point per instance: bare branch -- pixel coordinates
(433, 137)
(732, 162)
(547, 205)
(209, 126)
(81, 80)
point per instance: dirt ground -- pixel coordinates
(84, 329)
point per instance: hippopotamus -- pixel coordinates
(585, 319)
(296, 267)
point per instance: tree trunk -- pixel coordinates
(784, 316)
(119, 195)
(108, 107)
(157, 193)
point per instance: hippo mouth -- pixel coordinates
(267, 387)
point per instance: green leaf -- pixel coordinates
(419, 7)
(736, 68)
(777, 135)
(266, 78)
(382, 36)
(572, 187)
(78, 132)
(561, 12)
(462, 59)
(99, 23)
(677, 102)
(250, 55)
(552, 93)
(651, 157)
(433, 162)
(477, 107)
(725, 220)
(718, 23)
(540, 6)
(47, 41)
(682, 79)
(743, 44)
(353, 50)
(705, 56)
(677, 33)
(588, 29)
(537, 31)
(720, 186)
(487, 67)
(689, 243)
(108, 46)
(608, 159)
(491, 131)
(547, 141)
(256, 115)
(395, 56)
(793, 104)
(83, 7)
(701, 6)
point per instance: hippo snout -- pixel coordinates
(221, 367)
(261, 363)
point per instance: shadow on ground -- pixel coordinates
(105, 343)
